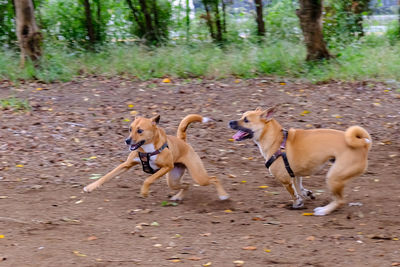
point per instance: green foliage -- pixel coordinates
(393, 32)
(343, 20)
(7, 26)
(14, 104)
(372, 57)
(65, 20)
(281, 21)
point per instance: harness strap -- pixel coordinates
(281, 152)
(145, 159)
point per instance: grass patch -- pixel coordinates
(14, 104)
(372, 58)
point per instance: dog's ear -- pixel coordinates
(155, 120)
(268, 113)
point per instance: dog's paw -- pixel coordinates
(176, 198)
(87, 189)
(224, 197)
(320, 211)
(307, 194)
(298, 204)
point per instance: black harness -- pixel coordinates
(281, 152)
(145, 159)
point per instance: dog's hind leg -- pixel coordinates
(337, 177)
(298, 181)
(196, 169)
(174, 178)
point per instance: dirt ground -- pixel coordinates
(75, 132)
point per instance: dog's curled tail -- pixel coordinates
(181, 133)
(357, 136)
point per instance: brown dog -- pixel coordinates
(307, 152)
(163, 154)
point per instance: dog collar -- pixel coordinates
(281, 152)
(145, 159)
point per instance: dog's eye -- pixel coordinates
(139, 131)
(245, 120)
(130, 129)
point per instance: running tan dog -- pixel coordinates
(307, 152)
(172, 156)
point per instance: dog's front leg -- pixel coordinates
(130, 162)
(146, 184)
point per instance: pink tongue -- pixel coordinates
(239, 134)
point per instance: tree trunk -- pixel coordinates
(150, 34)
(136, 16)
(223, 16)
(29, 36)
(259, 18)
(209, 20)
(398, 3)
(310, 15)
(218, 23)
(89, 22)
(188, 21)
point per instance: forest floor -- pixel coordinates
(75, 133)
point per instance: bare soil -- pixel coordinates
(75, 132)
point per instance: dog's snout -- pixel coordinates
(128, 141)
(233, 124)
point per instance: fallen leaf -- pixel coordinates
(133, 112)
(231, 139)
(307, 214)
(175, 260)
(91, 238)
(310, 238)
(77, 253)
(267, 250)
(95, 176)
(19, 166)
(231, 176)
(249, 248)
(127, 120)
(237, 81)
(2, 236)
(194, 258)
(166, 80)
(227, 211)
(304, 112)
(39, 89)
(130, 106)
(205, 234)
(243, 182)
(263, 186)
(155, 224)
(282, 83)
(207, 264)
(238, 263)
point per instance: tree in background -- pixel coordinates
(152, 19)
(29, 36)
(259, 17)
(215, 22)
(310, 15)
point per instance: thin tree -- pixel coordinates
(259, 18)
(28, 33)
(89, 22)
(310, 15)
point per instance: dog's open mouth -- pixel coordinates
(136, 146)
(243, 133)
